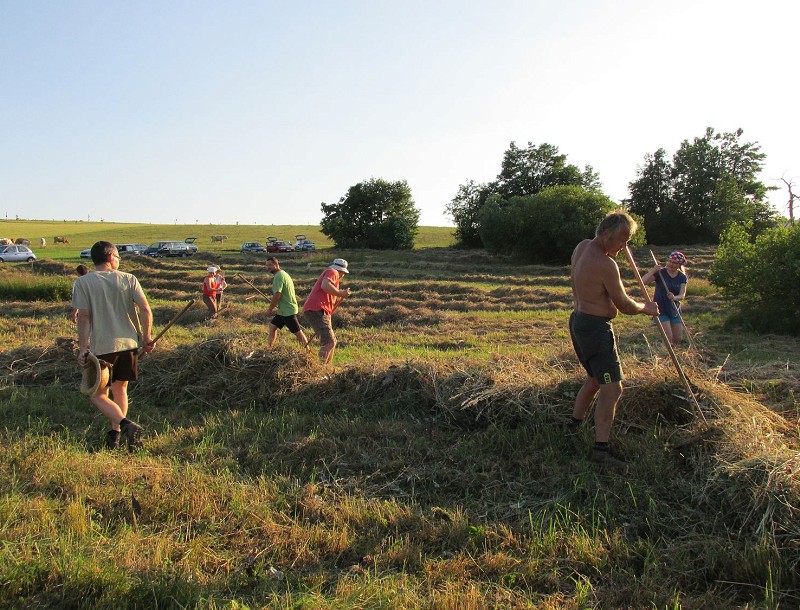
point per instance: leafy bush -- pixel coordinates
(762, 278)
(546, 227)
(29, 287)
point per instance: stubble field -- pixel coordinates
(426, 469)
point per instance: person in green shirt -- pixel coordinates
(283, 308)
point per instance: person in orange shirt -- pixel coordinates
(325, 297)
(210, 290)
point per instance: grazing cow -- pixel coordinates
(60, 239)
(221, 238)
(21, 241)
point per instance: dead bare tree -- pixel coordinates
(792, 196)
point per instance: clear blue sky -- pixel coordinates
(256, 112)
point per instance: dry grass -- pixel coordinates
(438, 479)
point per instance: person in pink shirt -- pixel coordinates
(325, 297)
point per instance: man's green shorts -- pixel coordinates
(594, 343)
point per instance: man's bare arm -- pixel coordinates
(616, 291)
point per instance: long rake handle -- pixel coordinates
(175, 318)
(664, 338)
(677, 309)
(253, 286)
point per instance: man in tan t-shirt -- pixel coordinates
(109, 327)
(598, 295)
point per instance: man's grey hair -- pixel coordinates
(615, 221)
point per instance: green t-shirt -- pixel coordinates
(287, 306)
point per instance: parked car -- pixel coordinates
(130, 249)
(169, 248)
(252, 246)
(279, 246)
(86, 253)
(16, 254)
(305, 245)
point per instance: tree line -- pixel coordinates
(692, 196)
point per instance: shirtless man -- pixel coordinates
(598, 295)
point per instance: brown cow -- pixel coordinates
(60, 239)
(20, 241)
(221, 238)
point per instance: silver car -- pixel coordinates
(16, 254)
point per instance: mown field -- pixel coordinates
(426, 469)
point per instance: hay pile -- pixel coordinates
(225, 372)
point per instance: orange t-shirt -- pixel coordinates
(210, 286)
(319, 299)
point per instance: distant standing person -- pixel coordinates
(210, 291)
(318, 308)
(109, 326)
(221, 286)
(671, 283)
(283, 305)
(598, 295)
(81, 270)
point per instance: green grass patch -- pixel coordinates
(21, 286)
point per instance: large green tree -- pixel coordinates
(711, 183)
(545, 227)
(523, 172)
(373, 214)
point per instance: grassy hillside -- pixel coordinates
(427, 469)
(83, 234)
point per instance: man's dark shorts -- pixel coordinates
(289, 322)
(124, 365)
(321, 323)
(594, 343)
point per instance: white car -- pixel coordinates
(16, 254)
(86, 253)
